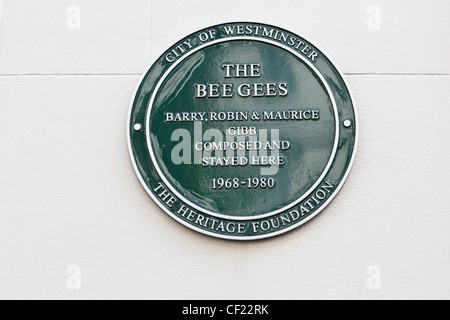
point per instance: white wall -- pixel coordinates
(69, 195)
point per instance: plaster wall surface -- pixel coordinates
(75, 222)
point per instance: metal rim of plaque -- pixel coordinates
(242, 131)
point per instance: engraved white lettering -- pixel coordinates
(274, 34)
(244, 90)
(165, 195)
(179, 51)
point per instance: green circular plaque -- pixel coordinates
(242, 131)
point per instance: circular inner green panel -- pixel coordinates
(295, 122)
